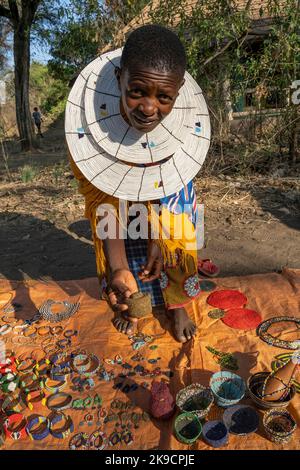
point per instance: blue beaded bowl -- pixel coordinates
(215, 433)
(227, 387)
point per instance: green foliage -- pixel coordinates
(222, 57)
(28, 173)
(51, 92)
(89, 26)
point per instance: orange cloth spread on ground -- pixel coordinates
(271, 294)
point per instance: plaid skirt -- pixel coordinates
(136, 252)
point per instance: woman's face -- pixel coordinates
(147, 96)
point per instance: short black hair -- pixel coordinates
(156, 47)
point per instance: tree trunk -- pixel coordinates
(22, 70)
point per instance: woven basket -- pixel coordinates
(254, 386)
(183, 420)
(228, 388)
(282, 431)
(195, 399)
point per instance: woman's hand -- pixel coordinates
(154, 264)
(122, 285)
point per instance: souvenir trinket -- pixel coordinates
(227, 387)
(187, 428)
(216, 313)
(255, 387)
(162, 404)
(215, 433)
(226, 360)
(241, 420)
(195, 398)
(79, 441)
(97, 440)
(139, 305)
(262, 332)
(277, 384)
(15, 426)
(279, 425)
(68, 310)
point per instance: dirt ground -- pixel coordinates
(252, 224)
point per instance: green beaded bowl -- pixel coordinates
(279, 425)
(187, 428)
(196, 399)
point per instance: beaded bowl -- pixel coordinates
(228, 388)
(279, 425)
(187, 428)
(195, 398)
(254, 387)
(215, 433)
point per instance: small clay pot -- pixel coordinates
(139, 305)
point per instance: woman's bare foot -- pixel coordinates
(184, 328)
(124, 324)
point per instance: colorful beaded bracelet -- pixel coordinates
(64, 403)
(41, 431)
(67, 427)
(15, 426)
(262, 332)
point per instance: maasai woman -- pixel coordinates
(119, 108)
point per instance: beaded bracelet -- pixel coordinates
(63, 343)
(97, 440)
(56, 330)
(41, 431)
(10, 320)
(56, 386)
(9, 382)
(5, 329)
(15, 426)
(13, 403)
(81, 363)
(94, 366)
(24, 366)
(65, 430)
(65, 402)
(35, 399)
(44, 331)
(29, 382)
(30, 331)
(79, 441)
(70, 333)
(42, 367)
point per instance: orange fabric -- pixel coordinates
(270, 294)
